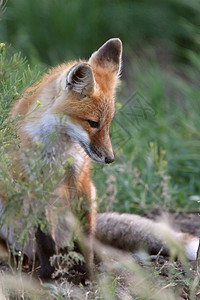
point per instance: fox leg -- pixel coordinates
(89, 191)
(48, 243)
(45, 248)
(81, 195)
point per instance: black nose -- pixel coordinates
(109, 159)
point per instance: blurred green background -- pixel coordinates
(155, 132)
(55, 30)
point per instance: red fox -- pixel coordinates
(77, 106)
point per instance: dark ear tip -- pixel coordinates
(111, 50)
(116, 42)
(108, 55)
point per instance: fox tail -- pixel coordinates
(132, 232)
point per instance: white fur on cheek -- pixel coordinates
(42, 130)
(76, 132)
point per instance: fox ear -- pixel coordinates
(80, 79)
(109, 55)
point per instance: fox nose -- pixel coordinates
(109, 159)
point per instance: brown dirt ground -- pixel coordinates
(185, 222)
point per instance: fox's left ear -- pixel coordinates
(108, 56)
(80, 79)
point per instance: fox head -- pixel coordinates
(89, 88)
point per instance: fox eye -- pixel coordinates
(93, 124)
